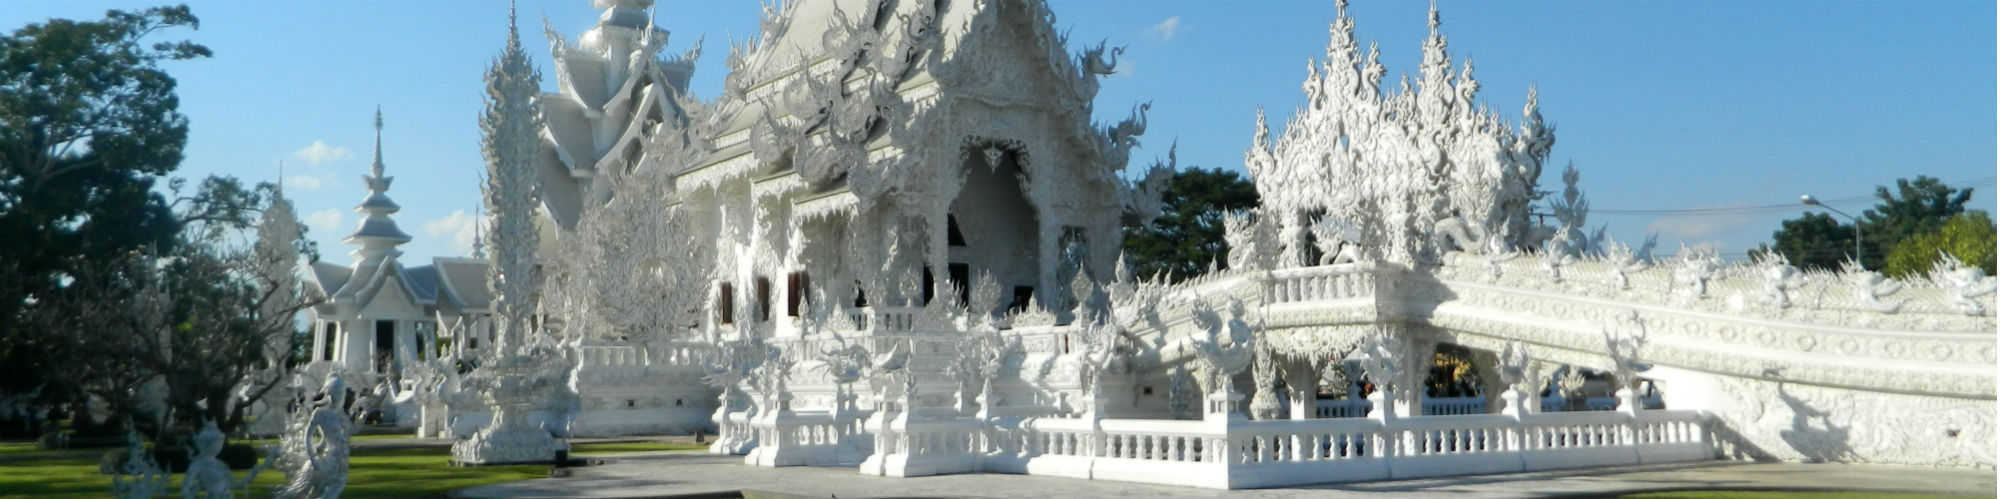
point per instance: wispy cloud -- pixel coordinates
(460, 226)
(311, 182)
(325, 222)
(1702, 227)
(318, 152)
(1125, 68)
(1166, 30)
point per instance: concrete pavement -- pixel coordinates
(696, 474)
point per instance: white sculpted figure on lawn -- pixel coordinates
(316, 447)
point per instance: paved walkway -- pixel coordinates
(695, 474)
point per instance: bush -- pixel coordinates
(175, 459)
(63, 440)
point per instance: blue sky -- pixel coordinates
(1681, 105)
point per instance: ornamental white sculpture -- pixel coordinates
(517, 376)
(140, 477)
(316, 447)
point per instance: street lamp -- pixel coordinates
(1810, 201)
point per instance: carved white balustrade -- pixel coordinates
(1249, 454)
(1322, 283)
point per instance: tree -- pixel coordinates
(1188, 233)
(203, 321)
(1920, 206)
(88, 121)
(1813, 241)
(1968, 237)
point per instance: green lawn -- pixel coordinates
(391, 473)
(24, 449)
(624, 447)
(1763, 494)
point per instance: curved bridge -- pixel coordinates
(1794, 366)
(1761, 362)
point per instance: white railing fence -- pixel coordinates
(1250, 454)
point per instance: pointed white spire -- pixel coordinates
(377, 236)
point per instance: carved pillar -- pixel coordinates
(1487, 365)
(1302, 385)
(1418, 353)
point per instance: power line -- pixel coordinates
(1762, 209)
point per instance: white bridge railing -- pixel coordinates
(1442, 406)
(1237, 454)
(1330, 282)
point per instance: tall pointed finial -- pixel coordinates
(1434, 17)
(376, 167)
(281, 178)
(479, 232)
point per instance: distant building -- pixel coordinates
(379, 315)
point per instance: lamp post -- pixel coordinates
(1810, 201)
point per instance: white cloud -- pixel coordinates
(310, 182)
(1166, 29)
(319, 152)
(325, 222)
(460, 226)
(1125, 68)
(1700, 227)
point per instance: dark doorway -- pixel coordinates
(385, 344)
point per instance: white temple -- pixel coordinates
(381, 316)
(891, 244)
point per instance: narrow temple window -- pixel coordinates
(385, 342)
(725, 303)
(796, 284)
(763, 298)
(332, 330)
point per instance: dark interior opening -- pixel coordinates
(725, 303)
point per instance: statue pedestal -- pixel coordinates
(514, 383)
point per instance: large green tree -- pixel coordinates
(1188, 233)
(1813, 241)
(1917, 206)
(88, 123)
(1967, 237)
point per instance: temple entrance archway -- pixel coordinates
(993, 228)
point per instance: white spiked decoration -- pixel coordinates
(515, 379)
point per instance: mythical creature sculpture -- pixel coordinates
(1779, 277)
(1222, 347)
(1870, 287)
(1962, 284)
(1697, 267)
(140, 477)
(209, 477)
(1253, 241)
(1557, 253)
(316, 447)
(1337, 239)
(1623, 260)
